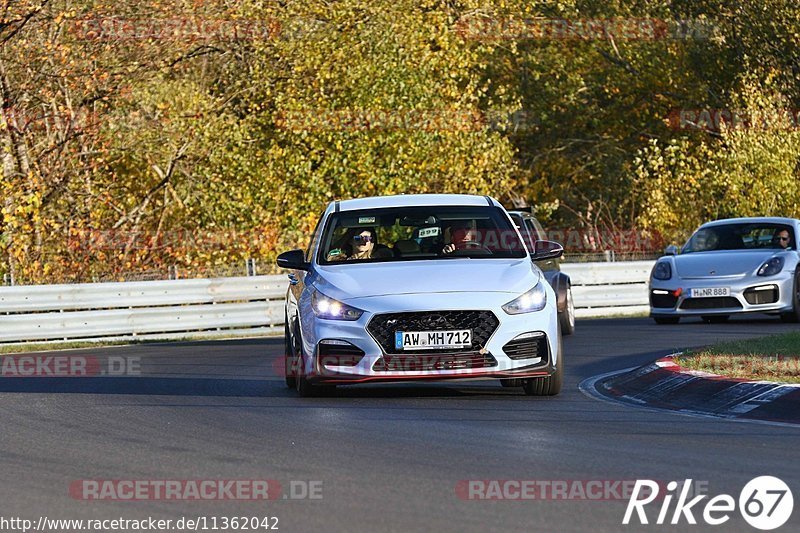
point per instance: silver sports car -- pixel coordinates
(731, 266)
(420, 287)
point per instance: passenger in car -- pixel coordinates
(359, 243)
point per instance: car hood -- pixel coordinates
(346, 282)
(722, 263)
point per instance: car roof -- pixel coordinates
(752, 220)
(414, 200)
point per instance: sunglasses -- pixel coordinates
(783, 238)
(362, 238)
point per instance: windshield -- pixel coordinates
(412, 233)
(741, 236)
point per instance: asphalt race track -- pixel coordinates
(389, 457)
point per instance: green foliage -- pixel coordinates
(367, 98)
(221, 130)
(746, 170)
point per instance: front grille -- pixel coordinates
(721, 302)
(421, 362)
(527, 348)
(763, 296)
(482, 323)
(663, 300)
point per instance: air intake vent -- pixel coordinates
(419, 362)
(338, 353)
(527, 348)
(723, 302)
(762, 295)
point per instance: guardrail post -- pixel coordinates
(251, 267)
(173, 272)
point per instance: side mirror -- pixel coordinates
(671, 250)
(547, 250)
(294, 259)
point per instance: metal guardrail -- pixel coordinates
(240, 306)
(167, 309)
(605, 289)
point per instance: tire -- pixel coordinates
(567, 317)
(305, 388)
(663, 320)
(288, 355)
(793, 316)
(550, 385)
(715, 319)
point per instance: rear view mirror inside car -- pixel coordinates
(419, 221)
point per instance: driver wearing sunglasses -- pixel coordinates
(781, 239)
(359, 243)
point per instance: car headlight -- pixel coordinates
(532, 300)
(326, 307)
(771, 267)
(662, 270)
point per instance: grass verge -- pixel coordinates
(10, 349)
(773, 358)
(66, 345)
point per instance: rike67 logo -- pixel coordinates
(765, 503)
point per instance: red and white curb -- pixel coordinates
(665, 385)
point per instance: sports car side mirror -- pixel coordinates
(294, 259)
(547, 250)
(671, 250)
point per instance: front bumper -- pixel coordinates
(372, 366)
(343, 378)
(748, 294)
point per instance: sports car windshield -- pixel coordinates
(738, 237)
(413, 233)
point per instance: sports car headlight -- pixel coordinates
(771, 267)
(533, 300)
(326, 307)
(662, 270)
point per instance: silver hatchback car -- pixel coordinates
(731, 266)
(420, 287)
